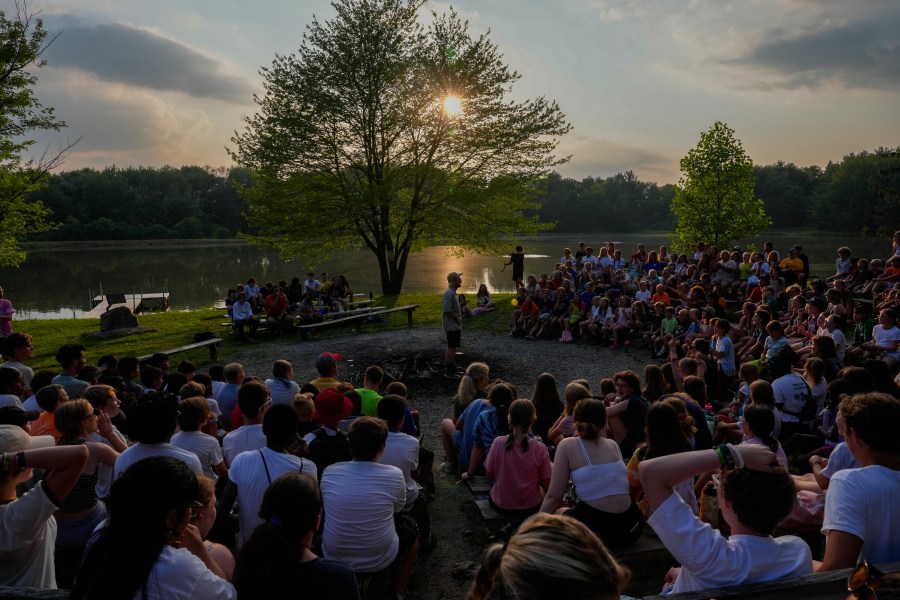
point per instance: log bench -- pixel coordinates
(358, 319)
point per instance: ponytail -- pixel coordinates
(487, 573)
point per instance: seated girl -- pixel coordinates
(518, 464)
(595, 467)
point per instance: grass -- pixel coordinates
(174, 329)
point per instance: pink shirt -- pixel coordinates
(6, 308)
(517, 473)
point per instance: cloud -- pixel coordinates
(864, 55)
(121, 53)
(600, 157)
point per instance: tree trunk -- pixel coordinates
(392, 266)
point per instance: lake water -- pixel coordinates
(56, 283)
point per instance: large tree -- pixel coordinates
(22, 42)
(714, 200)
(355, 140)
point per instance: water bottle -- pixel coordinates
(710, 418)
(709, 505)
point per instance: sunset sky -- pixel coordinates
(803, 81)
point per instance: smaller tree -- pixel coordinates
(714, 200)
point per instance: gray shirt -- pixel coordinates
(450, 305)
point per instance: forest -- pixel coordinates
(861, 193)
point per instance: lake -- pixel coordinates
(59, 283)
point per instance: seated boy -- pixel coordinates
(753, 500)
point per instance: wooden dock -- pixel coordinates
(138, 303)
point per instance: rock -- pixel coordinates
(119, 317)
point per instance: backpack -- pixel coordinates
(326, 449)
(807, 414)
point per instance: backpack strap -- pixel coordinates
(266, 465)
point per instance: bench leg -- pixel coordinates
(213, 352)
(409, 318)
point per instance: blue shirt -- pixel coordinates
(725, 346)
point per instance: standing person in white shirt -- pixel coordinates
(252, 472)
(282, 387)
(151, 422)
(361, 499)
(253, 398)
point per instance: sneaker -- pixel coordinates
(451, 375)
(449, 467)
(427, 547)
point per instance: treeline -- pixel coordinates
(859, 193)
(145, 203)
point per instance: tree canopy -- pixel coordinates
(714, 201)
(23, 40)
(352, 143)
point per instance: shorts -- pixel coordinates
(617, 530)
(453, 338)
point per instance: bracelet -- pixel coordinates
(738, 459)
(725, 456)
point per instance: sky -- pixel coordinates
(168, 82)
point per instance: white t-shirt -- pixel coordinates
(205, 446)
(840, 342)
(249, 474)
(819, 391)
(178, 574)
(840, 458)
(281, 393)
(25, 370)
(708, 560)
(27, 538)
(105, 476)
(887, 337)
(142, 451)
(402, 451)
(360, 500)
(863, 502)
(791, 392)
(10, 400)
(242, 439)
(643, 295)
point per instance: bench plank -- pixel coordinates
(212, 344)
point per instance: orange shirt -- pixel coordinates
(44, 425)
(661, 296)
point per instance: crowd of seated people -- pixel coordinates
(279, 305)
(145, 466)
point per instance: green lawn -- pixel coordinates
(174, 329)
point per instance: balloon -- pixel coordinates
(515, 302)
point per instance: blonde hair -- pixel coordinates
(761, 392)
(814, 370)
(304, 406)
(468, 385)
(69, 416)
(550, 553)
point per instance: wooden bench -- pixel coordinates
(10, 593)
(831, 585)
(357, 319)
(211, 344)
(648, 546)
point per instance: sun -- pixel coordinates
(452, 105)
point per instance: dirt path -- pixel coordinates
(415, 356)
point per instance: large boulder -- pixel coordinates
(120, 317)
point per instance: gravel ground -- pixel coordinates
(416, 357)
